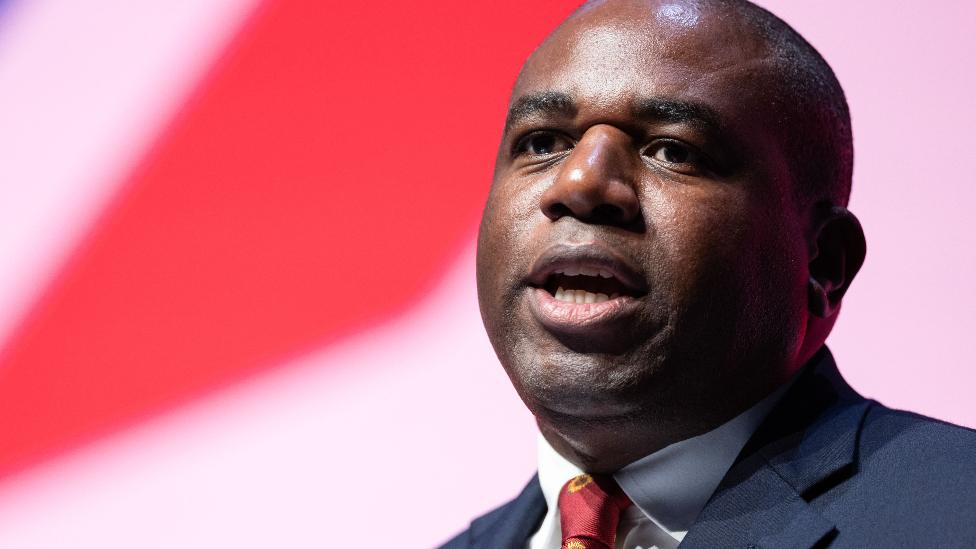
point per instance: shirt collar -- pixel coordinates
(670, 486)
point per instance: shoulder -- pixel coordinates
(508, 526)
(883, 423)
(478, 526)
(914, 479)
(919, 451)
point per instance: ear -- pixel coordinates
(837, 253)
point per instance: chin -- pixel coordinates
(558, 382)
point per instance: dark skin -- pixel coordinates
(640, 143)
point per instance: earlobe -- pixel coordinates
(836, 256)
(817, 296)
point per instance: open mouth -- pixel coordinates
(582, 284)
(585, 291)
(584, 274)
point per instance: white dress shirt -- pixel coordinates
(669, 488)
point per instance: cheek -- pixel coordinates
(518, 198)
(696, 234)
(510, 220)
(510, 215)
(495, 233)
(735, 261)
(715, 252)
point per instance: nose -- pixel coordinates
(597, 182)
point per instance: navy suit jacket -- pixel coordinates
(828, 468)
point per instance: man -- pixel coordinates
(663, 253)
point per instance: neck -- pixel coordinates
(605, 445)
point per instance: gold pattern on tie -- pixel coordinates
(589, 511)
(578, 483)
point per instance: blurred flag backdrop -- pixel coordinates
(237, 303)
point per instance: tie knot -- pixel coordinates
(589, 511)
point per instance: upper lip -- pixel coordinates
(558, 257)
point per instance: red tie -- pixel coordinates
(589, 510)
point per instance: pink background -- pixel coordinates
(401, 426)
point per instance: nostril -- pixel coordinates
(557, 210)
(603, 214)
(607, 214)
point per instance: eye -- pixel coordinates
(675, 156)
(672, 153)
(542, 144)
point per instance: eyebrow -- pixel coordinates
(551, 103)
(655, 109)
(672, 111)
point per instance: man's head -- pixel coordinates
(665, 240)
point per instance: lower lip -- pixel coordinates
(563, 315)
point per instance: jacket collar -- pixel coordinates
(512, 524)
(807, 445)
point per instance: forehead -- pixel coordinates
(609, 54)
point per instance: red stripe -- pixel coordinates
(320, 179)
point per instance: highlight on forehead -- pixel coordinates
(682, 14)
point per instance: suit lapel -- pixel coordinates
(806, 446)
(759, 509)
(510, 526)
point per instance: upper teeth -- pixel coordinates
(581, 296)
(585, 271)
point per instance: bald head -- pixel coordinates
(814, 107)
(798, 88)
